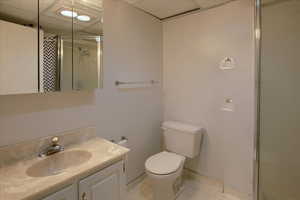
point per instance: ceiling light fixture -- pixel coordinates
(68, 13)
(84, 18)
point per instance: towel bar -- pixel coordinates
(117, 83)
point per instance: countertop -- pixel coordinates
(15, 184)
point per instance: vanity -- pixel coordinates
(89, 168)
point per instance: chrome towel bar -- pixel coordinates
(117, 83)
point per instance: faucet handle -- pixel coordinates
(54, 140)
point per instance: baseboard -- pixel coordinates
(136, 181)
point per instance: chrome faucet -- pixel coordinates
(54, 148)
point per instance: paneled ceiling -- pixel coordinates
(167, 8)
(25, 11)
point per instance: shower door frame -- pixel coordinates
(257, 53)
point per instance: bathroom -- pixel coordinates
(112, 92)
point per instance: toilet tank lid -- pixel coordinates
(179, 126)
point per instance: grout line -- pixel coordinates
(190, 12)
(182, 13)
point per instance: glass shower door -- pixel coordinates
(279, 140)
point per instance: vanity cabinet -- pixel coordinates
(68, 193)
(107, 184)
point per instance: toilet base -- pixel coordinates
(166, 187)
(181, 189)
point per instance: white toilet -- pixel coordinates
(165, 169)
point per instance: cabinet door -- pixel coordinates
(108, 184)
(69, 193)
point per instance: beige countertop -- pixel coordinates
(15, 184)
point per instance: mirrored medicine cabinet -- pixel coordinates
(50, 45)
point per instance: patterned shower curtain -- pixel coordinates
(50, 63)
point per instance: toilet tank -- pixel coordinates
(183, 139)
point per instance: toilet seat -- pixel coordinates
(164, 163)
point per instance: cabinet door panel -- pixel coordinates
(107, 184)
(69, 193)
(107, 188)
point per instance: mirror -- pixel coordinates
(71, 31)
(50, 45)
(55, 22)
(87, 46)
(19, 46)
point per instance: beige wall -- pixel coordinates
(195, 88)
(132, 49)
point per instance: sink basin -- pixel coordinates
(58, 163)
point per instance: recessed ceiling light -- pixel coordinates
(68, 13)
(84, 18)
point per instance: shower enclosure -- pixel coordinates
(278, 139)
(86, 62)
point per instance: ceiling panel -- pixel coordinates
(89, 4)
(26, 10)
(210, 3)
(27, 5)
(165, 8)
(168, 8)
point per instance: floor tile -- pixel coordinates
(194, 189)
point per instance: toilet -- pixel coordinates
(164, 169)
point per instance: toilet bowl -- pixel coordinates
(164, 171)
(165, 168)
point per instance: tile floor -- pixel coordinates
(195, 189)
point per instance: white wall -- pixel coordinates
(195, 88)
(132, 46)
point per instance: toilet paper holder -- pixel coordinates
(123, 138)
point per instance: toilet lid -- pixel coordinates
(164, 163)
